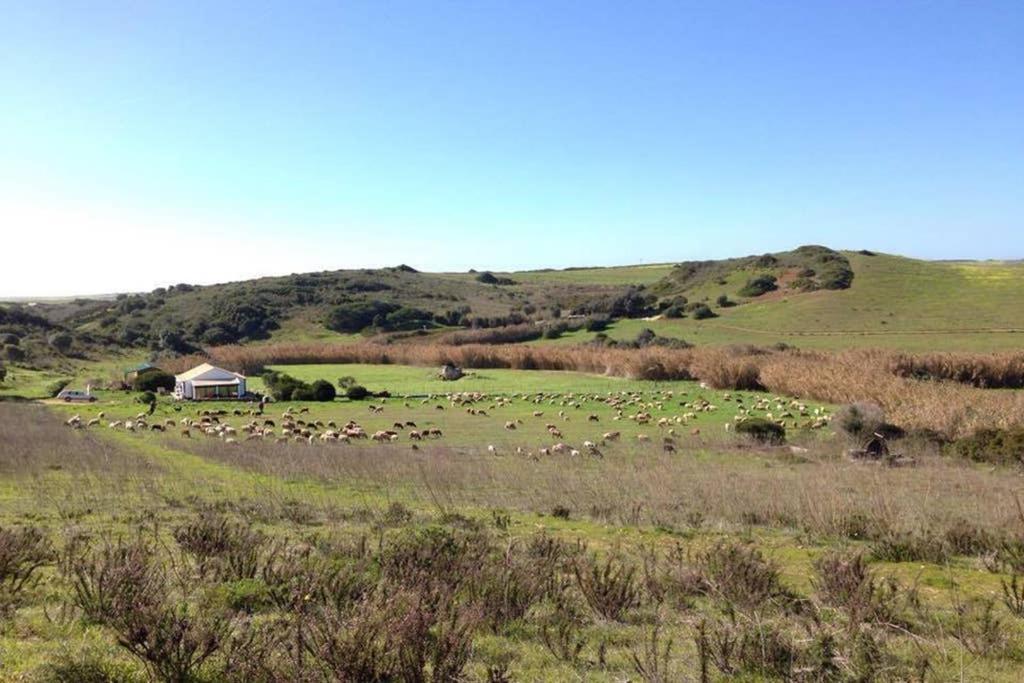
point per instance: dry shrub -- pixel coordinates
(22, 553)
(609, 587)
(740, 575)
(123, 586)
(737, 647)
(844, 581)
(223, 549)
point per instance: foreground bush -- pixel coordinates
(762, 431)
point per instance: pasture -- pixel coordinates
(628, 561)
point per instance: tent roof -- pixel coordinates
(208, 372)
(215, 382)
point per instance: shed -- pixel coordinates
(209, 382)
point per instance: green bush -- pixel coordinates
(56, 387)
(673, 312)
(723, 301)
(323, 391)
(356, 392)
(14, 353)
(762, 431)
(61, 341)
(285, 387)
(996, 446)
(146, 398)
(702, 312)
(597, 324)
(153, 379)
(3, 373)
(756, 286)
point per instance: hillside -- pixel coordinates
(809, 297)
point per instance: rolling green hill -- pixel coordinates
(810, 297)
(892, 302)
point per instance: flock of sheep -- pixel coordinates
(637, 407)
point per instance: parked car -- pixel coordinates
(69, 395)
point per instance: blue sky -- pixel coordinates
(282, 137)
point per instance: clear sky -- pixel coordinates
(150, 143)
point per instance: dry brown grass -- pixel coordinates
(950, 402)
(825, 495)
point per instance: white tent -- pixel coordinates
(207, 381)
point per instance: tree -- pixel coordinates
(3, 373)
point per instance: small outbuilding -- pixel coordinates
(206, 381)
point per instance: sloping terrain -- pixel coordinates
(809, 297)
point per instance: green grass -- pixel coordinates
(894, 302)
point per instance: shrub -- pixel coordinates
(222, 549)
(610, 587)
(22, 553)
(56, 387)
(61, 341)
(8, 338)
(859, 420)
(354, 317)
(762, 431)
(356, 392)
(3, 373)
(756, 286)
(740, 575)
(146, 398)
(996, 446)
(323, 391)
(489, 278)
(702, 312)
(723, 301)
(597, 324)
(153, 379)
(673, 312)
(284, 387)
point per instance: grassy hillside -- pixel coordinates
(893, 302)
(810, 299)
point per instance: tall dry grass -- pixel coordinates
(950, 401)
(822, 495)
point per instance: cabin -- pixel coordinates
(206, 382)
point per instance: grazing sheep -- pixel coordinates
(510, 425)
(593, 418)
(642, 437)
(93, 422)
(611, 436)
(492, 450)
